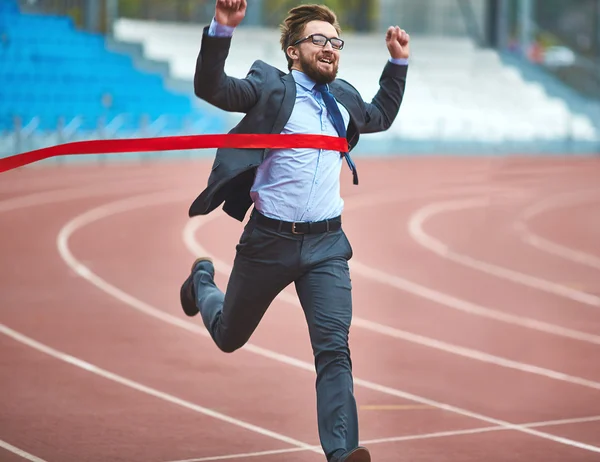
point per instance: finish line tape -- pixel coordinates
(176, 143)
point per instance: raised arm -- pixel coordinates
(211, 83)
(381, 112)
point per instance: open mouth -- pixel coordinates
(326, 60)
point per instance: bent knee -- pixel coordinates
(230, 345)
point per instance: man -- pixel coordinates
(294, 232)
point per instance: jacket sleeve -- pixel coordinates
(215, 87)
(381, 112)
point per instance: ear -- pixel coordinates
(292, 53)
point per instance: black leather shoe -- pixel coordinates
(187, 294)
(359, 454)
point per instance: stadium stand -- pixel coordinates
(50, 70)
(138, 82)
(457, 92)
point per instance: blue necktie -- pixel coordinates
(338, 123)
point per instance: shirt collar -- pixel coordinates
(303, 80)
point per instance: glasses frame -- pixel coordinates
(327, 39)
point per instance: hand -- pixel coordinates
(398, 42)
(230, 12)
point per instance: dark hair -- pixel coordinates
(298, 17)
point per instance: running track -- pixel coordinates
(476, 331)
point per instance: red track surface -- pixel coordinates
(493, 332)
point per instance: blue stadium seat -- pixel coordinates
(8, 8)
(50, 70)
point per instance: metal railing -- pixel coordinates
(22, 137)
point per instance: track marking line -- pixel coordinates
(46, 182)
(449, 300)
(62, 240)
(551, 247)
(69, 194)
(480, 430)
(308, 366)
(460, 304)
(89, 367)
(20, 452)
(75, 193)
(244, 455)
(473, 353)
(575, 420)
(195, 248)
(418, 219)
(583, 287)
(424, 436)
(395, 407)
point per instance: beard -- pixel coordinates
(311, 68)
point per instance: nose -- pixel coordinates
(328, 46)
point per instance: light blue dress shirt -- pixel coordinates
(300, 184)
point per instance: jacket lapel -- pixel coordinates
(289, 98)
(287, 103)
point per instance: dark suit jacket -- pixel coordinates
(267, 96)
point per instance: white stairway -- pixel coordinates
(455, 91)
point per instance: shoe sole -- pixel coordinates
(359, 455)
(189, 306)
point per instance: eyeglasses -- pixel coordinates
(321, 40)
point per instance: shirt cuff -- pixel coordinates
(401, 61)
(219, 30)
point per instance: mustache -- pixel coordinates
(326, 55)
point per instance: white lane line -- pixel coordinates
(148, 390)
(397, 439)
(76, 193)
(197, 249)
(72, 262)
(54, 178)
(83, 271)
(469, 307)
(191, 230)
(546, 245)
(473, 354)
(548, 423)
(575, 420)
(450, 301)
(70, 194)
(20, 452)
(418, 219)
(245, 455)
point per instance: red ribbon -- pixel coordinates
(174, 143)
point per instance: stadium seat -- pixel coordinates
(456, 91)
(50, 71)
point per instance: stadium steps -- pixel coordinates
(458, 95)
(576, 102)
(51, 71)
